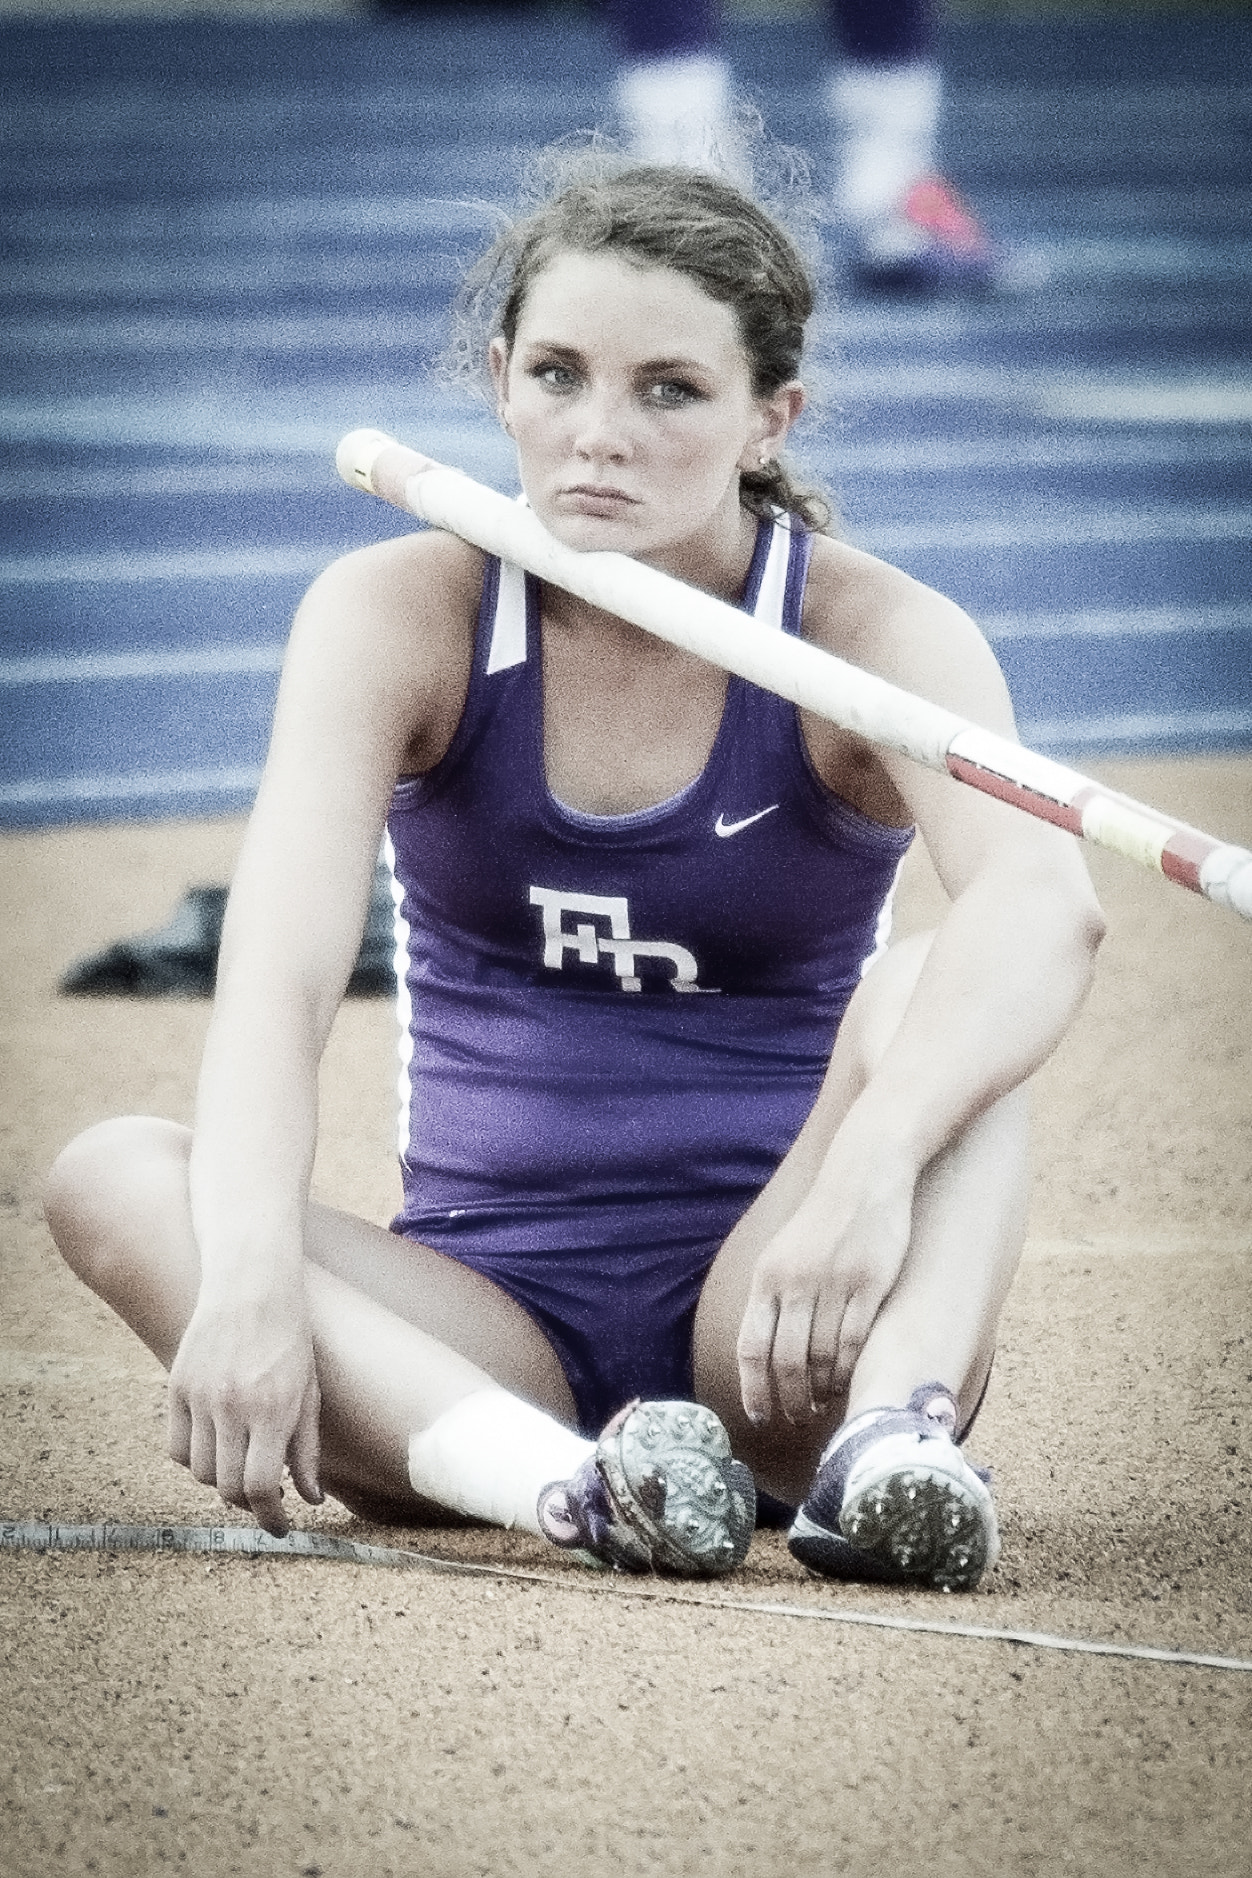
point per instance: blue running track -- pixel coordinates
(228, 242)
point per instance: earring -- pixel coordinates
(765, 459)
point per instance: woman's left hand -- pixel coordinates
(818, 1285)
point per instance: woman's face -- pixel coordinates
(629, 395)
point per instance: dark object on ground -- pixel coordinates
(180, 959)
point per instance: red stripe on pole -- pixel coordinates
(1185, 854)
(1064, 815)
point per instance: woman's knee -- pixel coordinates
(879, 1002)
(106, 1184)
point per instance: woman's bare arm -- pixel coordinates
(1005, 975)
(372, 684)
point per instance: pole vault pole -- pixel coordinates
(854, 699)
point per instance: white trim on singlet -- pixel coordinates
(508, 628)
(773, 594)
(404, 1002)
(886, 915)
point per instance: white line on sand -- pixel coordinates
(251, 1543)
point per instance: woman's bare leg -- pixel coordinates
(426, 1373)
(938, 1323)
(400, 1333)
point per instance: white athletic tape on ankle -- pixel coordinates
(491, 1455)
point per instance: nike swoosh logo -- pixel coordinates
(722, 827)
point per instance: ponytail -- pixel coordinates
(772, 487)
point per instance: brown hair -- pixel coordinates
(701, 226)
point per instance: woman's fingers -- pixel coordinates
(855, 1324)
(824, 1346)
(202, 1456)
(263, 1481)
(246, 1464)
(800, 1349)
(786, 1350)
(243, 1401)
(232, 1461)
(304, 1451)
(792, 1334)
(818, 1286)
(755, 1351)
(179, 1426)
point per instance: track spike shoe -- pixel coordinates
(661, 1493)
(894, 1501)
(932, 243)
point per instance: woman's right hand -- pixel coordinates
(821, 1280)
(244, 1402)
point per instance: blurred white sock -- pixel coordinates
(886, 121)
(678, 110)
(491, 1455)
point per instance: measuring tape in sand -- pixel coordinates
(251, 1542)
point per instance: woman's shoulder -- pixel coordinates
(389, 629)
(407, 607)
(427, 569)
(878, 617)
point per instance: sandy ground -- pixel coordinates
(283, 1717)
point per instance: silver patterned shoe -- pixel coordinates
(661, 1493)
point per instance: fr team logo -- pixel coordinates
(604, 933)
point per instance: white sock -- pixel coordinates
(491, 1455)
(677, 110)
(886, 121)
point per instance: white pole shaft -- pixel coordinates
(683, 615)
(857, 700)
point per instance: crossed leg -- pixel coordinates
(400, 1333)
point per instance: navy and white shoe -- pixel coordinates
(661, 1493)
(894, 1501)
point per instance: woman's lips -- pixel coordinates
(596, 498)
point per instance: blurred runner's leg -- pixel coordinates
(906, 228)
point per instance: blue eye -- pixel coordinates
(672, 392)
(555, 376)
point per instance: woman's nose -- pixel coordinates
(603, 429)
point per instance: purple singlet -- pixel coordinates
(614, 1026)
